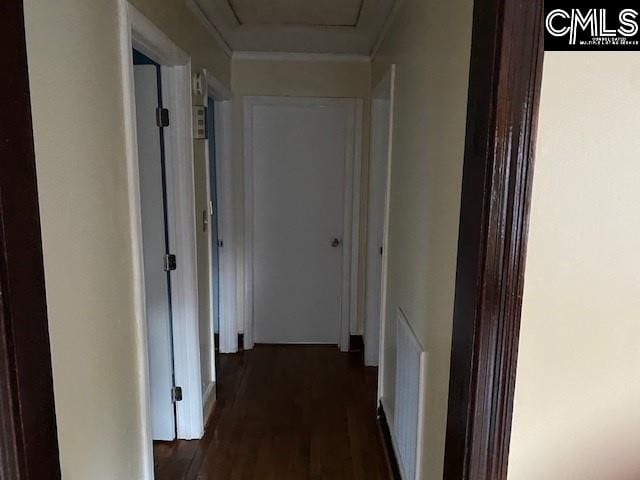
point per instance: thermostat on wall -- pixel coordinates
(199, 122)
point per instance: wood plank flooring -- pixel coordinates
(285, 413)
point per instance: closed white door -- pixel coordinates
(156, 280)
(298, 153)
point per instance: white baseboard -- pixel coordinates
(208, 401)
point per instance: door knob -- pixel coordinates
(335, 243)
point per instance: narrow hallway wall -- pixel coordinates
(430, 42)
(78, 119)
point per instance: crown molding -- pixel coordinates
(385, 28)
(302, 57)
(213, 30)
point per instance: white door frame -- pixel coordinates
(386, 87)
(224, 183)
(136, 31)
(351, 209)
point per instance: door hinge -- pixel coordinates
(176, 394)
(211, 211)
(162, 117)
(170, 262)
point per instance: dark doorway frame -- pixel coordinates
(28, 436)
(504, 92)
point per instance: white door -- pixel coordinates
(298, 152)
(154, 241)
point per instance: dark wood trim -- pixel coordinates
(389, 451)
(28, 437)
(356, 343)
(504, 87)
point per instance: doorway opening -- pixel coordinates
(161, 196)
(217, 219)
(151, 120)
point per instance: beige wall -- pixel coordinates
(323, 78)
(78, 118)
(430, 42)
(294, 78)
(577, 404)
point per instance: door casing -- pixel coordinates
(378, 223)
(227, 257)
(137, 32)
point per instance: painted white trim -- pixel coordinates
(385, 251)
(211, 319)
(182, 242)
(226, 255)
(351, 209)
(377, 188)
(355, 225)
(248, 222)
(211, 28)
(301, 57)
(422, 416)
(228, 328)
(136, 31)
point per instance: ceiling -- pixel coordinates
(298, 26)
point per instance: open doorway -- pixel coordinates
(151, 120)
(218, 225)
(157, 97)
(215, 243)
(220, 212)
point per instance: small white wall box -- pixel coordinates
(199, 122)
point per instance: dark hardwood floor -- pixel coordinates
(285, 413)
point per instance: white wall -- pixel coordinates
(78, 119)
(430, 42)
(577, 403)
(296, 78)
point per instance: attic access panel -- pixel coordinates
(324, 13)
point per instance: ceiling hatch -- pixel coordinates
(297, 26)
(325, 13)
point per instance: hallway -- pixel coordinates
(285, 413)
